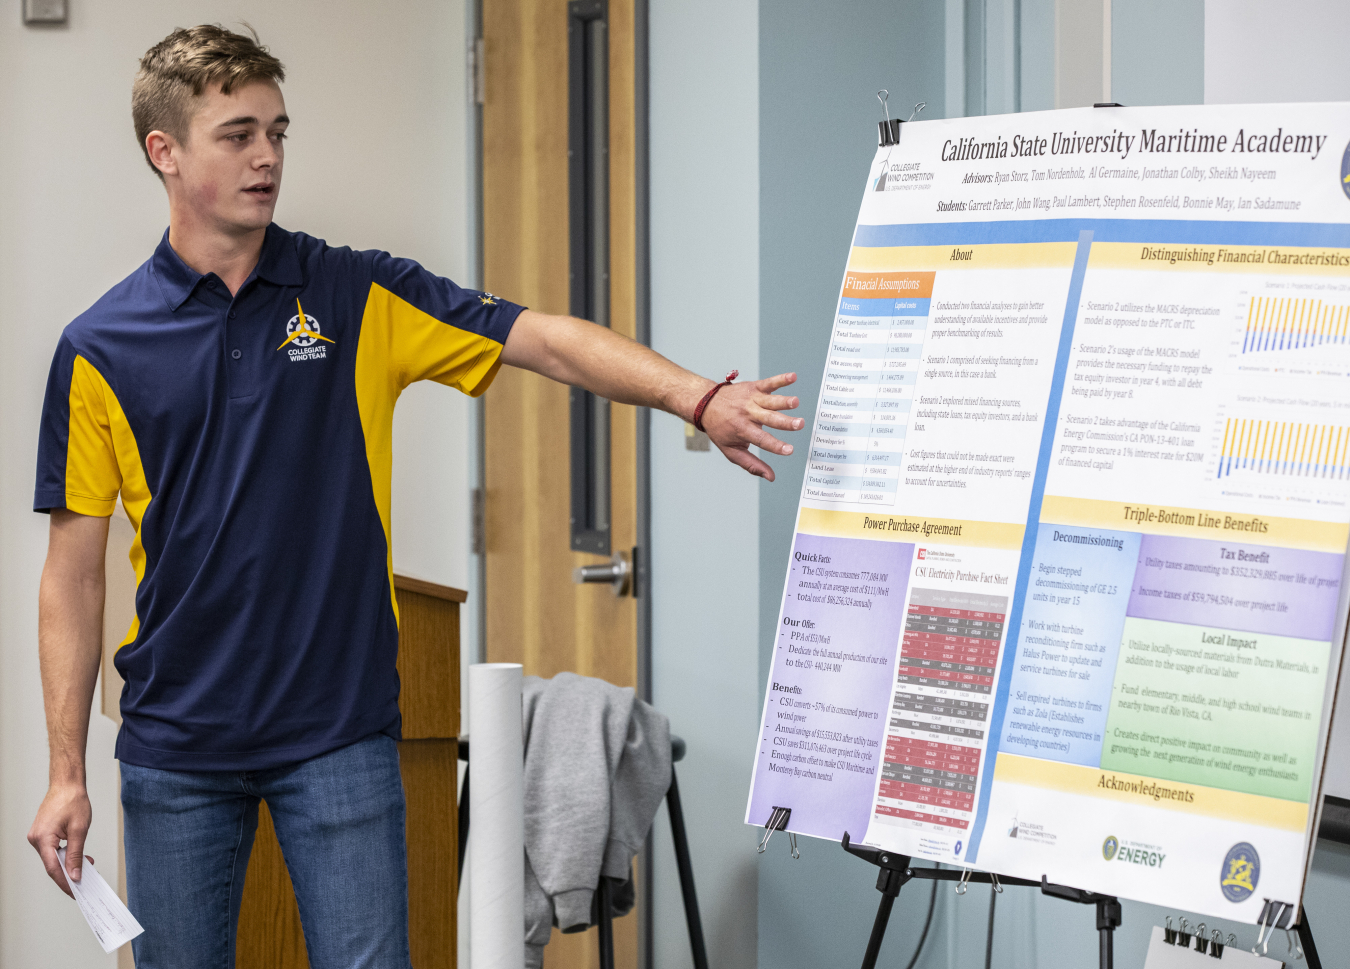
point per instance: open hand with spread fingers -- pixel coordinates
(734, 416)
(739, 415)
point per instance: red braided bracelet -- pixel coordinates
(707, 398)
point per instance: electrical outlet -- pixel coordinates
(44, 11)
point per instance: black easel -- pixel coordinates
(1108, 916)
(896, 870)
(1305, 939)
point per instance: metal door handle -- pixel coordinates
(618, 573)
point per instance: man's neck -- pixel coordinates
(230, 256)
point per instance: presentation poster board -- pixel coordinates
(1066, 592)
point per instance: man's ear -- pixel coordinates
(162, 149)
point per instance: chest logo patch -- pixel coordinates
(303, 336)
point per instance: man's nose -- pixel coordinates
(268, 156)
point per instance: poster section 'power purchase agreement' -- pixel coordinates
(1065, 596)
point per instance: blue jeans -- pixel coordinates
(340, 820)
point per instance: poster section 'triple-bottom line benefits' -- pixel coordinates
(1066, 585)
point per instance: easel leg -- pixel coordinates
(1108, 917)
(889, 882)
(1305, 939)
(878, 931)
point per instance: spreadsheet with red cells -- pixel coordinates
(940, 709)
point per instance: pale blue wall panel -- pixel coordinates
(705, 559)
(820, 67)
(1158, 52)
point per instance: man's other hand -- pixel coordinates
(65, 815)
(737, 416)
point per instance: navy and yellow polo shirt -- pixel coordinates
(250, 439)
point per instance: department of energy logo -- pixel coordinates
(1109, 847)
(1345, 172)
(1241, 872)
(303, 336)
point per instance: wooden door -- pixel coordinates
(535, 614)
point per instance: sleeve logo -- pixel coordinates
(303, 336)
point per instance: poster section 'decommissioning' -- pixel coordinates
(1065, 596)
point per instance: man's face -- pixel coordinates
(229, 171)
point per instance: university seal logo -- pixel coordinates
(1345, 172)
(1110, 846)
(1241, 872)
(303, 336)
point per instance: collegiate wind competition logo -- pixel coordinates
(303, 336)
(1240, 873)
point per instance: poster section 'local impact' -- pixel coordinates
(1067, 577)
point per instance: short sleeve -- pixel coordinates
(77, 462)
(433, 329)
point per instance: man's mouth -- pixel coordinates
(262, 191)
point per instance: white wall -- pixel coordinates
(1256, 52)
(377, 158)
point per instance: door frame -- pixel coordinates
(642, 566)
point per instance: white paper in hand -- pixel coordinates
(112, 922)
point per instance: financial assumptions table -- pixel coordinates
(868, 392)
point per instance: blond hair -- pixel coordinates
(179, 68)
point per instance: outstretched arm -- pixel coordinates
(597, 359)
(70, 646)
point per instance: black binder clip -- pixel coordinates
(1274, 915)
(889, 130)
(778, 821)
(1201, 943)
(1216, 943)
(1184, 936)
(1169, 933)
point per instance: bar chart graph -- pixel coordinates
(1276, 323)
(1284, 448)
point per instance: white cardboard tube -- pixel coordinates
(496, 817)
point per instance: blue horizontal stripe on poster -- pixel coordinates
(1106, 230)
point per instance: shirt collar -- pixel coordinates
(278, 264)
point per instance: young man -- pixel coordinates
(237, 391)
